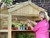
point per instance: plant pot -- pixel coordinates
(23, 28)
(16, 28)
(13, 28)
(29, 29)
(5, 28)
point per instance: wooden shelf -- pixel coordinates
(3, 30)
(21, 30)
(24, 30)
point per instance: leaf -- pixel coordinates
(7, 1)
(4, 0)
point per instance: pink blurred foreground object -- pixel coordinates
(42, 29)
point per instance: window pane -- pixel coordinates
(47, 0)
(35, 0)
(42, 0)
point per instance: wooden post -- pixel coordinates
(9, 26)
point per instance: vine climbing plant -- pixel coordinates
(7, 1)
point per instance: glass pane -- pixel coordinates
(42, 0)
(35, 0)
(47, 0)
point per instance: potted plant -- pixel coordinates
(33, 25)
(16, 26)
(29, 28)
(13, 27)
(24, 26)
(20, 26)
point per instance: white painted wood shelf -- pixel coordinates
(24, 30)
(21, 30)
(3, 30)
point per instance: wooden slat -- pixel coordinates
(21, 30)
(24, 4)
(9, 26)
(4, 15)
(3, 30)
(17, 7)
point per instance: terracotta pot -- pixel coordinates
(29, 29)
(13, 28)
(16, 28)
(5, 28)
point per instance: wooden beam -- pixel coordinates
(18, 6)
(9, 26)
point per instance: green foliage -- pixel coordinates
(4, 0)
(25, 35)
(20, 24)
(7, 1)
(25, 25)
(34, 26)
(19, 36)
